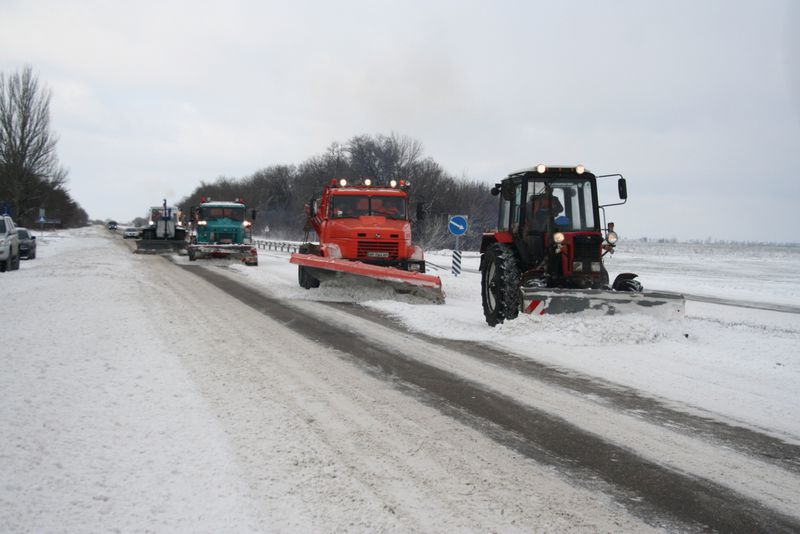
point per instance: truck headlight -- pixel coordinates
(202, 223)
(393, 183)
(596, 266)
(612, 237)
(342, 182)
(577, 266)
(541, 168)
(580, 169)
(333, 251)
(558, 237)
(247, 224)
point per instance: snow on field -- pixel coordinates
(741, 364)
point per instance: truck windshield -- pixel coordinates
(350, 206)
(210, 213)
(570, 204)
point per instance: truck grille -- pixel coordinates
(377, 250)
(224, 237)
(587, 248)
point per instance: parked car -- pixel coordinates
(130, 232)
(9, 245)
(27, 243)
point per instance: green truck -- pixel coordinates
(222, 230)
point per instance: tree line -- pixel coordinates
(279, 192)
(31, 177)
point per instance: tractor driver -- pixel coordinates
(541, 206)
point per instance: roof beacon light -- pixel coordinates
(393, 183)
(342, 182)
(580, 169)
(367, 181)
(540, 168)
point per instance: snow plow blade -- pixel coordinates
(603, 302)
(159, 246)
(247, 254)
(422, 285)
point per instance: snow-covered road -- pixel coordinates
(146, 397)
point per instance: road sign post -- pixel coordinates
(458, 226)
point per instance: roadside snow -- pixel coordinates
(737, 364)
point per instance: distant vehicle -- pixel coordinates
(112, 225)
(9, 245)
(165, 232)
(27, 243)
(221, 230)
(130, 232)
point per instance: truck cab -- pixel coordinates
(366, 223)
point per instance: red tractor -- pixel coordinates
(364, 231)
(546, 255)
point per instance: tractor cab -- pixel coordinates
(551, 216)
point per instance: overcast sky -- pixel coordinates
(697, 103)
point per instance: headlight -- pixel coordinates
(596, 266)
(577, 266)
(247, 224)
(367, 182)
(541, 168)
(580, 169)
(202, 223)
(611, 237)
(558, 237)
(333, 250)
(393, 183)
(342, 182)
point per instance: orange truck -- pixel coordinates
(364, 231)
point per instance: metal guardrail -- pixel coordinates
(279, 246)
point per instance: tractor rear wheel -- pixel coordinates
(500, 284)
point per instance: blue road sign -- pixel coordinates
(458, 225)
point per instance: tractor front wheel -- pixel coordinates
(500, 284)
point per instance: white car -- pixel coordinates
(130, 232)
(9, 244)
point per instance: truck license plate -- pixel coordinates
(377, 254)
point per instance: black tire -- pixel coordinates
(500, 284)
(4, 265)
(32, 256)
(305, 279)
(191, 255)
(15, 263)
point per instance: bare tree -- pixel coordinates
(29, 169)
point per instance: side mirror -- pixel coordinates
(420, 211)
(623, 188)
(495, 191)
(253, 215)
(33, 238)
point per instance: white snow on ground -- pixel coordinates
(97, 434)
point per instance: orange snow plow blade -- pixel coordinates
(423, 285)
